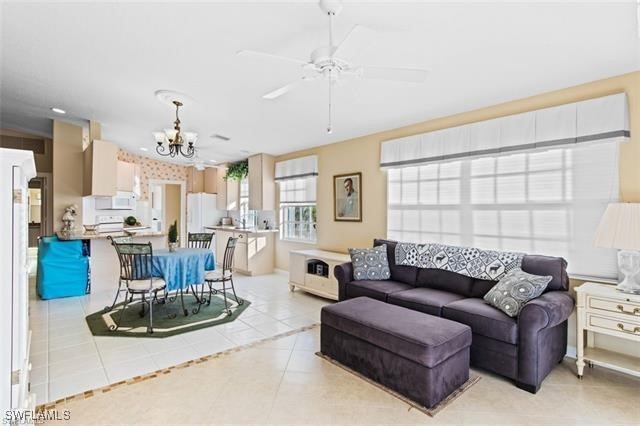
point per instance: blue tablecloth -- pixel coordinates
(183, 267)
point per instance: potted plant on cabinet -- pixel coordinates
(173, 236)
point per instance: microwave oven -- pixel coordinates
(121, 201)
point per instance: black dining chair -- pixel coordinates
(199, 239)
(223, 276)
(136, 266)
(114, 241)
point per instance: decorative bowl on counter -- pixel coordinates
(90, 229)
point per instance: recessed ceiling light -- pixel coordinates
(212, 161)
(143, 149)
(58, 110)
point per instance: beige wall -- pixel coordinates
(67, 170)
(172, 205)
(363, 154)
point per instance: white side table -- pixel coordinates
(603, 309)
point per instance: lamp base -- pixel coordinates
(629, 268)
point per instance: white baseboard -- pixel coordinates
(280, 271)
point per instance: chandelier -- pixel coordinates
(174, 139)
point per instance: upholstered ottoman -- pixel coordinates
(418, 355)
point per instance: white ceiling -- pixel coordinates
(103, 61)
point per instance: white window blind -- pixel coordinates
(298, 209)
(540, 202)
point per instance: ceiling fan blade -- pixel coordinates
(287, 88)
(410, 75)
(357, 39)
(272, 56)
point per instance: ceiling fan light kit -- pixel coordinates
(329, 61)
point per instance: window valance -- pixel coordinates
(298, 168)
(600, 119)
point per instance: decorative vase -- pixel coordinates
(173, 246)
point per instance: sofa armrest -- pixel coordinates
(344, 275)
(546, 311)
(542, 337)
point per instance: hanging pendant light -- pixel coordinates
(170, 142)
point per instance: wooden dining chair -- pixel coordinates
(199, 239)
(136, 272)
(224, 276)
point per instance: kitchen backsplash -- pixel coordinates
(153, 169)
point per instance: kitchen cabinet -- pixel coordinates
(262, 185)
(255, 253)
(233, 195)
(221, 243)
(211, 180)
(100, 166)
(125, 176)
(221, 186)
(202, 180)
(195, 180)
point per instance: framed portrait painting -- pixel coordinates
(347, 197)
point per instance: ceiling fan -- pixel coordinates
(331, 61)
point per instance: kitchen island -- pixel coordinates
(104, 264)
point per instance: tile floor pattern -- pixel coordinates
(281, 381)
(68, 359)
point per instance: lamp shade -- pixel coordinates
(619, 227)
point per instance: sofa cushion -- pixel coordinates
(405, 274)
(425, 339)
(370, 263)
(441, 279)
(427, 300)
(483, 319)
(515, 289)
(375, 289)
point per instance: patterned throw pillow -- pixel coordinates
(370, 264)
(515, 289)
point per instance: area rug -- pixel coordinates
(431, 412)
(168, 318)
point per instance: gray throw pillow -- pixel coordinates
(515, 289)
(370, 264)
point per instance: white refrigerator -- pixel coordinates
(202, 211)
(16, 169)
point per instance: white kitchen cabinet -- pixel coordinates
(125, 176)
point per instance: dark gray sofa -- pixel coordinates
(524, 349)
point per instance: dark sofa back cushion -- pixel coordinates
(481, 287)
(546, 265)
(441, 279)
(405, 274)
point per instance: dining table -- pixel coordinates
(183, 267)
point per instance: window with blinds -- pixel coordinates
(298, 209)
(540, 202)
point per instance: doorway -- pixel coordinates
(168, 205)
(40, 208)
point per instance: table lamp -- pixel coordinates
(620, 229)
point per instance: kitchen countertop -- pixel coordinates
(247, 230)
(104, 235)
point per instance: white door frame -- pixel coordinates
(183, 204)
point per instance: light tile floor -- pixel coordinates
(68, 359)
(282, 382)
